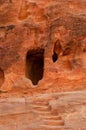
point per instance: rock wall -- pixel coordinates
(56, 26)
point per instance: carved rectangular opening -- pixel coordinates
(35, 65)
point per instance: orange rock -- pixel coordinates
(45, 42)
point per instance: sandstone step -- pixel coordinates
(43, 114)
(47, 113)
(41, 103)
(40, 108)
(47, 127)
(52, 117)
(54, 122)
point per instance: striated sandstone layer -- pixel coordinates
(57, 111)
(42, 45)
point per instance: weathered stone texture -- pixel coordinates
(58, 27)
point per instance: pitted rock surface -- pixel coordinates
(56, 26)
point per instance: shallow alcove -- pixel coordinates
(1, 77)
(35, 65)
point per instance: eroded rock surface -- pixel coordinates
(56, 26)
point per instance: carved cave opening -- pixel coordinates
(35, 65)
(56, 50)
(54, 57)
(1, 77)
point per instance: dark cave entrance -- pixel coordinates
(54, 57)
(35, 65)
(1, 77)
(56, 50)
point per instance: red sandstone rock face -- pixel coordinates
(29, 26)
